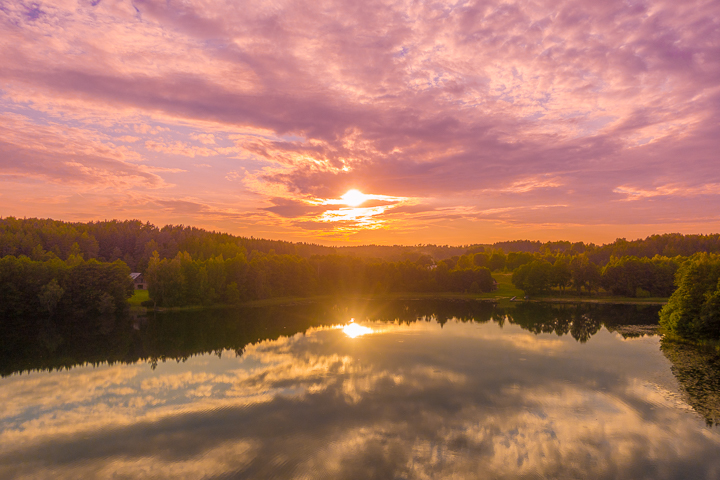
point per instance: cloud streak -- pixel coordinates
(474, 105)
(480, 399)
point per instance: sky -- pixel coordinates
(449, 122)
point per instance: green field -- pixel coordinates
(505, 287)
(138, 297)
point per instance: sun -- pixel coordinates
(353, 197)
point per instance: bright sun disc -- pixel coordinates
(354, 197)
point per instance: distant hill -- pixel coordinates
(134, 241)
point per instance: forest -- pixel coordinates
(49, 267)
(183, 280)
(693, 311)
(628, 276)
(64, 291)
(134, 242)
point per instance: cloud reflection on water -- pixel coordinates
(413, 401)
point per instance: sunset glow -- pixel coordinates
(356, 216)
(453, 123)
(354, 198)
(354, 330)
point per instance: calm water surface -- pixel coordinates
(408, 390)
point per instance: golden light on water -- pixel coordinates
(353, 330)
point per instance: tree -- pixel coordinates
(585, 274)
(533, 278)
(517, 259)
(106, 304)
(693, 310)
(631, 276)
(50, 295)
(496, 261)
(474, 280)
(165, 281)
(561, 274)
(232, 293)
(480, 260)
(424, 261)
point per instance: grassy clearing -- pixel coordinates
(505, 287)
(138, 297)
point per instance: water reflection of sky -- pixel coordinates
(410, 401)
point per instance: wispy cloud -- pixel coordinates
(669, 190)
(474, 103)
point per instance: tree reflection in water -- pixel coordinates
(697, 369)
(44, 345)
(181, 335)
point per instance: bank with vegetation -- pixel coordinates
(693, 311)
(63, 290)
(70, 270)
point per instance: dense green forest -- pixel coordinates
(628, 276)
(64, 291)
(693, 310)
(53, 268)
(186, 281)
(134, 242)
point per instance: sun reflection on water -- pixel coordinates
(353, 330)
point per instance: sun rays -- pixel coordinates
(354, 198)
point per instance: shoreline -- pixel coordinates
(503, 295)
(489, 298)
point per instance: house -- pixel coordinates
(139, 281)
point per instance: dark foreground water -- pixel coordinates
(408, 390)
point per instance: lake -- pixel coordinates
(356, 389)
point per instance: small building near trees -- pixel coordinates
(138, 281)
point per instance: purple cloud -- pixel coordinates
(609, 109)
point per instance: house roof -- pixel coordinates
(135, 276)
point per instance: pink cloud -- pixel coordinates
(179, 148)
(484, 106)
(64, 155)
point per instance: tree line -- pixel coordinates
(665, 245)
(71, 270)
(66, 290)
(131, 241)
(184, 280)
(693, 310)
(626, 276)
(134, 242)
